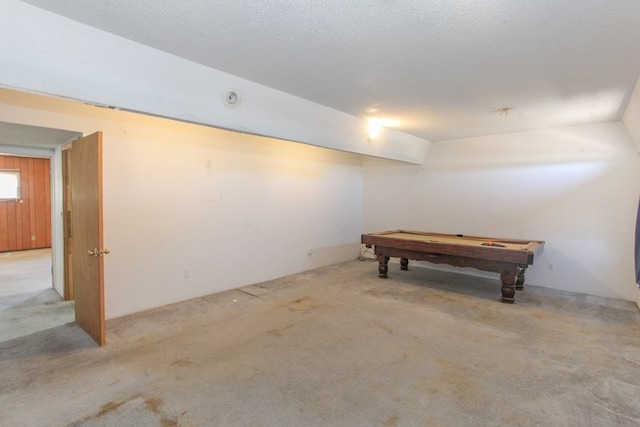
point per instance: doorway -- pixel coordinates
(28, 301)
(52, 148)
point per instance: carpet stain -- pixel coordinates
(538, 315)
(173, 422)
(374, 293)
(486, 318)
(154, 404)
(453, 380)
(109, 407)
(151, 404)
(278, 332)
(105, 409)
(184, 362)
(384, 327)
(304, 303)
(435, 296)
(391, 421)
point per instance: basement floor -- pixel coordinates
(338, 347)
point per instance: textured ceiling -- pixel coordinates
(441, 69)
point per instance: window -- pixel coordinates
(9, 184)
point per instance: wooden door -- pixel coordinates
(86, 229)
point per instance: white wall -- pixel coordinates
(576, 188)
(230, 209)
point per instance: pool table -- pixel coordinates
(509, 257)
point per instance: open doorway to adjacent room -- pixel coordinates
(30, 300)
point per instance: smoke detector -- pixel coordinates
(231, 99)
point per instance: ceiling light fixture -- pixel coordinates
(376, 125)
(374, 128)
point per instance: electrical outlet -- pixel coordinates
(550, 266)
(186, 274)
(309, 251)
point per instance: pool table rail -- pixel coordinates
(457, 245)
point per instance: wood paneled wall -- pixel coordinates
(26, 224)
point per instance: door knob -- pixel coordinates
(98, 252)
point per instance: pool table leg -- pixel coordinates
(404, 263)
(520, 281)
(383, 266)
(509, 279)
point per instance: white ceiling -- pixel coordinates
(440, 68)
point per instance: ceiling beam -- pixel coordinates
(49, 54)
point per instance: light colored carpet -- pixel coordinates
(339, 347)
(28, 302)
(25, 271)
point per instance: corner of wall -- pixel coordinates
(631, 117)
